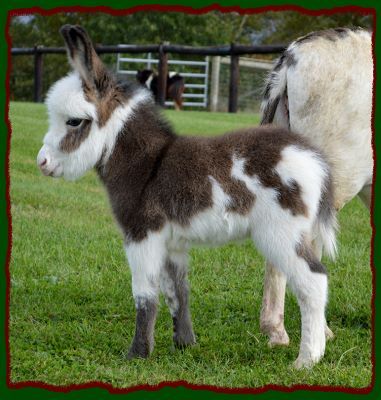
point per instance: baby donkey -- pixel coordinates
(169, 192)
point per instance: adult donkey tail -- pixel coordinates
(275, 88)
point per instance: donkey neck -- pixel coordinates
(137, 154)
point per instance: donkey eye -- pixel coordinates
(74, 121)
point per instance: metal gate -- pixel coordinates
(196, 80)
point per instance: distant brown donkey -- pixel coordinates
(175, 85)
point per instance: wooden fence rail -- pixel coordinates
(232, 50)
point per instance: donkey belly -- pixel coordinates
(213, 227)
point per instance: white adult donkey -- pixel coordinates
(321, 88)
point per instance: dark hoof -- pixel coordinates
(138, 350)
(183, 341)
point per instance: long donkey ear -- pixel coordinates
(82, 55)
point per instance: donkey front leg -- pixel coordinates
(174, 285)
(146, 258)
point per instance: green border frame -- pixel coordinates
(176, 391)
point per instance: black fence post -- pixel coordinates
(234, 80)
(37, 75)
(162, 78)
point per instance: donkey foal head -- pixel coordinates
(87, 109)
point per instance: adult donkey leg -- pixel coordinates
(174, 285)
(366, 195)
(146, 258)
(272, 312)
(308, 280)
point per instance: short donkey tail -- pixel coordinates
(326, 219)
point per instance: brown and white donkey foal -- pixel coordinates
(169, 192)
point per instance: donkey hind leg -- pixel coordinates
(317, 247)
(366, 195)
(174, 285)
(308, 281)
(146, 258)
(311, 291)
(272, 312)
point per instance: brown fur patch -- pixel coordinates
(107, 95)
(182, 324)
(75, 136)
(261, 148)
(304, 250)
(143, 342)
(131, 170)
(100, 87)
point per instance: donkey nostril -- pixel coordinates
(43, 162)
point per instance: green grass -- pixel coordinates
(72, 312)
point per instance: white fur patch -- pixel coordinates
(305, 168)
(66, 100)
(146, 259)
(149, 81)
(270, 236)
(215, 225)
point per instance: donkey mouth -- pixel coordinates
(54, 173)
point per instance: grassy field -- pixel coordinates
(72, 311)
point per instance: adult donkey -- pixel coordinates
(321, 88)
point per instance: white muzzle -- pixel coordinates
(46, 163)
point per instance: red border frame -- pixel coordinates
(175, 384)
